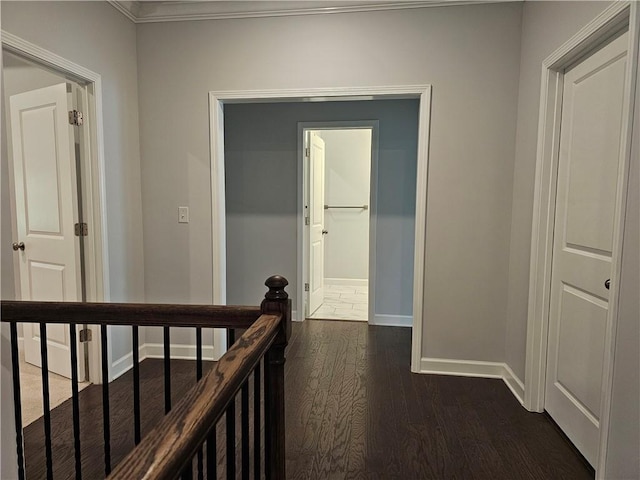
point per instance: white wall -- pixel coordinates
(470, 54)
(545, 27)
(347, 182)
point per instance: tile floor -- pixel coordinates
(344, 302)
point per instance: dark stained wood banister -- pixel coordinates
(171, 446)
(127, 314)
(164, 451)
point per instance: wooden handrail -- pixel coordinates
(170, 446)
(141, 314)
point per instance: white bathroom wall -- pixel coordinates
(347, 182)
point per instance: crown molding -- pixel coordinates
(157, 12)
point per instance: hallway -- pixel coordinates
(353, 411)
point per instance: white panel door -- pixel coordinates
(46, 211)
(590, 146)
(316, 222)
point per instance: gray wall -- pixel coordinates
(261, 165)
(470, 54)
(545, 27)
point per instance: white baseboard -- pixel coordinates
(358, 282)
(514, 383)
(472, 368)
(392, 320)
(156, 350)
(122, 365)
(177, 351)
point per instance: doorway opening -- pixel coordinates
(338, 196)
(51, 211)
(223, 219)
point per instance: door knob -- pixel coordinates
(324, 232)
(607, 283)
(18, 246)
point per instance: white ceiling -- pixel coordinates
(167, 11)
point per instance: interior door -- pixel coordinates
(46, 210)
(589, 162)
(316, 222)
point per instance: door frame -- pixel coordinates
(619, 17)
(303, 230)
(93, 179)
(217, 100)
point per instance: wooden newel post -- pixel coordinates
(276, 301)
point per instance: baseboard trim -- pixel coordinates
(122, 365)
(474, 368)
(177, 351)
(156, 350)
(358, 282)
(392, 320)
(514, 383)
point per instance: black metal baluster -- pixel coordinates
(231, 421)
(268, 448)
(167, 370)
(198, 353)
(187, 472)
(136, 385)
(45, 399)
(75, 400)
(256, 422)
(212, 460)
(15, 363)
(244, 426)
(200, 459)
(106, 425)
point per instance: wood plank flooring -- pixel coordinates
(183, 376)
(353, 411)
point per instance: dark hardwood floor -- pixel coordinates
(353, 410)
(183, 376)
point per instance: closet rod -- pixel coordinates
(362, 207)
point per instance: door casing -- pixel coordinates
(620, 16)
(93, 178)
(303, 257)
(217, 100)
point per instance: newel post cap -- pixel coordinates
(276, 284)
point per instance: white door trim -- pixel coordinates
(620, 16)
(97, 269)
(303, 254)
(216, 112)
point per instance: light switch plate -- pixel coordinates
(183, 214)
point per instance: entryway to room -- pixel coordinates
(337, 163)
